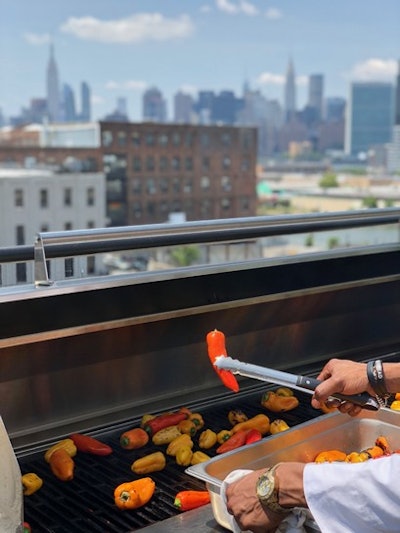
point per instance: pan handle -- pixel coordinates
(363, 399)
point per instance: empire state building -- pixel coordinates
(290, 93)
(53, 90)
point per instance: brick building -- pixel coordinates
(154, 169)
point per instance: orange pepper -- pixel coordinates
(134, 494)
(277, 403)
(330, 456)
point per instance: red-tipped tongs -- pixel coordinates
(226, 367)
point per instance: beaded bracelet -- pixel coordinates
(376, 379)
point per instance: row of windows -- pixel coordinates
(43, 197)
(206, 207)
(187, 139)
(176, 185)
(21, 269)
(20, 234)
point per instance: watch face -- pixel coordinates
(265, 487)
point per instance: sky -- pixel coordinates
(122, 47)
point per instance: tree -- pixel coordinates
(328, 180)
(370, 202)
(185, 255)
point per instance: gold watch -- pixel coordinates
(267, 493)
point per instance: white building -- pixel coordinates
(33, 201)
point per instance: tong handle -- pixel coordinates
(363, 399)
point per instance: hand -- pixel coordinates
(244, 505)
(344, 377)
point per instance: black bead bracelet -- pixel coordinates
(376, 379)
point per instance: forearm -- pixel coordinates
(392, 376)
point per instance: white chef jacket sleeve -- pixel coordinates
(355, 497)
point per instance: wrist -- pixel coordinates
(289, 483)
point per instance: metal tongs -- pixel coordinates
(286, 379)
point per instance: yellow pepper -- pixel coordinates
(355, 457)
(277, 426)
(199, 457)
(31, 483)
(166, 435)
(207, 439)
(66, 444)
(197, 419)
(284, 391)
(395, 405)
(184, 456)
(178, 442)
(223, 435)
(145, 419)
(154, 462)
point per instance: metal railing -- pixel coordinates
(56, 244)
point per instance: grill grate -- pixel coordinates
(86, 503)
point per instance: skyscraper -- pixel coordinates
(68, 104)
(316, 93)
(154, 106)
(53, 89)
(370, 116)
(183, 108)
(290, 92)
(393, 149)
(85, 102)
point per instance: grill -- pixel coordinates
(86, 503)
(93, 355)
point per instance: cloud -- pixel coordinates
(133, 29)
(267, 78)
(37, 39)
(128, 85)
(374, 70)
(189, 89)
(233, 8)
(273, 13)
(205, 9)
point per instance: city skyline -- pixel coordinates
(123, 50)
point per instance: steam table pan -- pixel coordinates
(301, 443)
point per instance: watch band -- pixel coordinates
(267, 492)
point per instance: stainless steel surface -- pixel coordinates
(196, 521)
(302, 383)
(302, 443)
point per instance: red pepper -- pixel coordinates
(216, 347)
(85, 443)
(253, 435)
(27, 527)
(235, 441)
(163, 421)
(191, 499)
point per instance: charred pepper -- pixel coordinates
(31, 483)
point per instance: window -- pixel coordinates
(43, 198)
(90, 196)
(44, 228)
(68, 226)
(151, 186)
(176, 139)
(188, 186)
(164, 185)
(176, 185)
(225, 204)
(150, 139)
(135, 138)
(245, 165)
(226, 139)
(150, 163)
(163, 139)
(205, 163)
(136, 186)
(21, 272)
(20, 235)
(226, 162)
(68, 196)
(18, 198)
(205, 183)
(176, 163)
(189, 139)
(121, 138)
(189, 163)
(90, 264)
(107, 138)
(91, 224)
(137, 164)
(69, 267)
(205, 140)
(163, 163)
(137, 209)
(226, 184)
